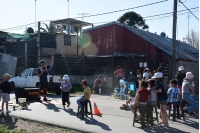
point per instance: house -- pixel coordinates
(113, 37)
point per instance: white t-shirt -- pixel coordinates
(153, 95)
(146, 75)
(132, 99)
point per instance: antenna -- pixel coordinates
(83, 14)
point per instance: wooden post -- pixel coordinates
(156, 62)
(38, 42)
(26, 56)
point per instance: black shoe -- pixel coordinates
(45, 99)
(39, 100)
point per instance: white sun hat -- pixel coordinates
(181, 68)
(65, 77)
(157, 75)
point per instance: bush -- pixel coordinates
(76, 88)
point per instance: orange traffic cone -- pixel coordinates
(96, 110)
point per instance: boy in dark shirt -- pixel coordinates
(6, 88)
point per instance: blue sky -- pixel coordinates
(20, 12)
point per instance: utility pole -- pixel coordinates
(173, 64)
(38, 41)
(35, 15)
(188, 24)
(68, 8)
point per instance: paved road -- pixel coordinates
(112, 120)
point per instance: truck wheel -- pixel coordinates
(13, 86)
(38, 85)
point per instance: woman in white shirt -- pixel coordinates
(146, 73)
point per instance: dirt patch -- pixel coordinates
(17, 125)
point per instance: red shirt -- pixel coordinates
(144, 95)
(119, 73)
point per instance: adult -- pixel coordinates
(132, 77)
(180, 76)
(119, 74)
(188, 88)
(98, 83)
(42, 73)
(146, 74)
(105, 84)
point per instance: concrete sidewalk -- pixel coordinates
(112, 120)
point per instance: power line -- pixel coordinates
(188, 9)
(101, 13)
(126, 9)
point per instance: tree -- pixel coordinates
(49, 28)
(133, 19)
(193, 38)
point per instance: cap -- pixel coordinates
(99, 76)
(131, 72)
(84, 82)
(147, 69)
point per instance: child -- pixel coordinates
(139, 75)
(173, 92)
(146, 73)
(162, 97)
(0, 90)
(131, 99)
(153, 95)
(6, 88)
(65, 87)
(141, 98)
(86, 96)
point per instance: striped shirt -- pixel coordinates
(173, 93)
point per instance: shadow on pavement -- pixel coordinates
(8, 121)
(190, 123)
(159, 129)
(97, 123)
(70, 111)
(52, 107)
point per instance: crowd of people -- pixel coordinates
(151, 90)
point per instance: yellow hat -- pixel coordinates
(6, 75)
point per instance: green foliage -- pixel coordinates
(76, 88)
(133, 19)
(49, 28)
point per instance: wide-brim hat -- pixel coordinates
(6, 75)
(189, 75)
(181, 68)
(157, 75)
(65, 77)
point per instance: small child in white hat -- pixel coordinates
(6, 88)
(65, 87)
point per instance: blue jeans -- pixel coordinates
(152, 103)
(192, 100)
(79, 102)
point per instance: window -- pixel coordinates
(25, 73)
(67, 40)
(141, 64)
(35, 72)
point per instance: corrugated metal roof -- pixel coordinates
(184, 50)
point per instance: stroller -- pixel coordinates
(119, 92)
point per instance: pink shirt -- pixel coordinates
(119, 73)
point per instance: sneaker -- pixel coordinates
(138, 117)
(45, 99)
(8, 111)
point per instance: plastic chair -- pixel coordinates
(143, 120)
(151, 109)
(176, 108)
(85, 110)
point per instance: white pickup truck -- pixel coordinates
(29, 79)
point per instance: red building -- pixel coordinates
(116, 37)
